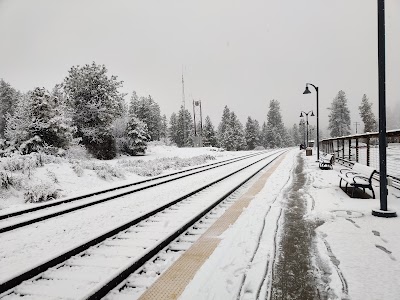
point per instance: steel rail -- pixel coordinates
(58, 259)
(63, 201)
(78, 207)
(104, 288)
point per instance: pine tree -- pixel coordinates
(276, 132)
(41, 123)
(252, 133)
(185, 128)
(95, 101)
(231, 134)
(367, 116)
(339, 118)
(17, 125)
(263, 135)
(48, 119)
(239, 139)
(8, 99)
(223, 125)
(137, 136)
(173, 128)
(209, 135)
(295, 135)
(164, 128)
(148, 111)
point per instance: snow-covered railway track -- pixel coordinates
(21, 218)
(93, 268)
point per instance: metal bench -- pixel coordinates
(326, 161)
(360, 176)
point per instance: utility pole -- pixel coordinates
(183, 90)
(356, 123)
(198, 134)
(184, 107)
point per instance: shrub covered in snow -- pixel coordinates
(103, 174)
(157, 166)
(26, 163)
(52, 176)
(259, 148)
(77, 151)
(41, 192)
(101, 169)
(77, 169)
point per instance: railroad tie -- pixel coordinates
(173, 281)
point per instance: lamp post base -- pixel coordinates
(384, 213)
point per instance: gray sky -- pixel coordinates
(239, 53)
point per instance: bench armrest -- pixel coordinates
(361, 177)
(354, 173)
(348, 170)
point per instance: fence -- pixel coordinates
(364, 149)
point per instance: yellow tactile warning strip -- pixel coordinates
(172, 282)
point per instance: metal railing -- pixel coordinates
(364, 149)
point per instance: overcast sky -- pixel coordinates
(239, 53)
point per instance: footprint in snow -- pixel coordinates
(377, 233)
(354, 223)
(386, 251)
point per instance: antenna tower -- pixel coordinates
(183, 91)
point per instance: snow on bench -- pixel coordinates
(326, 161)
(360, 176)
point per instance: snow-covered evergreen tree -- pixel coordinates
(231, 134)
(252, 133)
(8, 99)
(339, 118)
(295, 135)
(264, 135)
(40, 122)
(367, 116)
(137, 136)
(49, 121)
(148, 111)
(173, 128)
(164, 128)
(96, 102)
(185, 128)
(276, 131)
(223, 125)
(239, 138)
(209, 135)
(17, 125)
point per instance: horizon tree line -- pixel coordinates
(88, 109)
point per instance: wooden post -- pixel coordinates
(367, 151)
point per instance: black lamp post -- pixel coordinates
(307, 91)
(312, 115)
(383, 211)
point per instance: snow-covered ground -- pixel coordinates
(357, 255)
(76, 176)
(357, 252)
